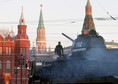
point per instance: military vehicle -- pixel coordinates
(90, 62)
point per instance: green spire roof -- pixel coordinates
(41, 24)
(88, 3)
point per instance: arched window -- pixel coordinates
(8, 64)
(0, 64)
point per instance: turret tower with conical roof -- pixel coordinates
(41, 39)
(88, 21)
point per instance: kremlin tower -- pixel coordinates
(41, 39)
(88, 21)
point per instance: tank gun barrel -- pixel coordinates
(68, 37)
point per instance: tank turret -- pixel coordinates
(83, 42)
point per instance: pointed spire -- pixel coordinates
(88, 3)
(88, 21)
(21, 21)
(41, 24)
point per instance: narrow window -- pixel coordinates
(9, 50)
(6, 50)
(8, 65)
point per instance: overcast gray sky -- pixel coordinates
(59, 16)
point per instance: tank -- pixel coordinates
(89, 59)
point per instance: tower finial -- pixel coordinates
(21, 21)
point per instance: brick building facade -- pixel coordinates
(11, 51)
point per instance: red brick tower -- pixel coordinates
(88, 21)
(22, 48)
(41, 39)
(22, 41)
